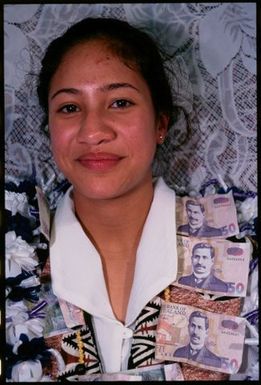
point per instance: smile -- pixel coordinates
(99, 161)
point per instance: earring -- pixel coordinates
(161, 139)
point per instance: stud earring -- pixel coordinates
(161, 139)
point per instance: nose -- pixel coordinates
(94, 129)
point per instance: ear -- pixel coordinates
(162, 128)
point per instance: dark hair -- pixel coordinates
(199, 314)
(194, 203)
(134, 46)
(203, 245)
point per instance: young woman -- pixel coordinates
(109, 105)
(113, 254)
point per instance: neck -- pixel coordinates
(115, 224)
(196, 347)
(115, 227)
(202, 276)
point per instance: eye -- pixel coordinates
(121, 103)
(69, 109)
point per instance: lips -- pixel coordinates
(195, 338)
(200, 267)
(100, 161)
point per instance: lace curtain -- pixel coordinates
(214, 50)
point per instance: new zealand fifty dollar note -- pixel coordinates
(208, 217)
(205, 339)
(215, 266)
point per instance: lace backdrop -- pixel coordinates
(214, 50)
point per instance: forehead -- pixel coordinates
(193, 207)
(198, 321)
(202, 251)
(97, 50)
(93, 64)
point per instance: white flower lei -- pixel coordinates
(24, 319)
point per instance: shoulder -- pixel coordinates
(210, 358)
(218, 284)
(185, 280)
(182, 351)
(210, 231)
(184, 228)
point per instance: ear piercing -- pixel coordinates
(161, 139)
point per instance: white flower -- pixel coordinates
(247, 210)
(19, 255)
(14, 310)
(16, 202)
(22, 324)
(18, 321)
(30, 282)
(27, 371)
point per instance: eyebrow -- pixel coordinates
(106, 87)
(115, 86)
(73, 91)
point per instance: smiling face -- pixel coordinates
(102, 123)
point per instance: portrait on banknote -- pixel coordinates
(215, 266)
(211, 216)
(196, 349)
(201, 338)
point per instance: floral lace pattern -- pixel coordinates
(214, 50)
(215, 61)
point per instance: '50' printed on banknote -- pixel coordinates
(201, 338)
(210, 217)
(215, 266)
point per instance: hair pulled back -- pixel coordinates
(135, 47)
(199, 314)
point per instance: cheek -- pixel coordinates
(143, 149)
(59, 143)
(55, 140)
(141, 135)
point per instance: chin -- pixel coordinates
(199, 276)
(107, 186)
(98, 191)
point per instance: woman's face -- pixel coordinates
(102, 123)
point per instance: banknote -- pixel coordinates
(173, 372)
(73, 316)
(54, 320)
(205, 339)
(211, 216)
(148, 373)
(215, 266)
(111, 377)
(44, 213)
(159, 372)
